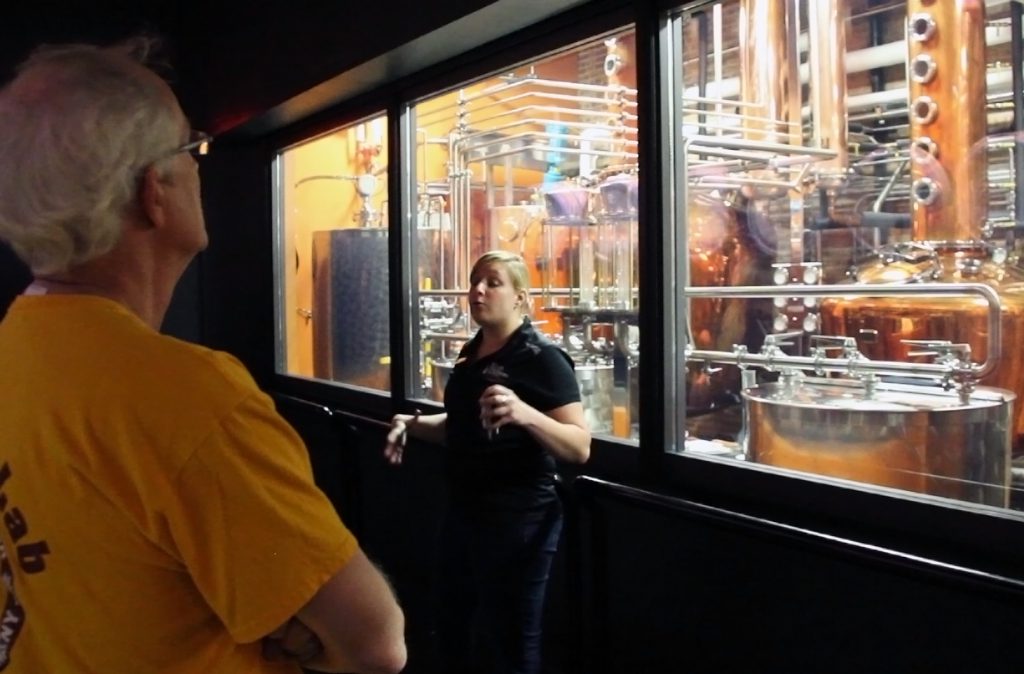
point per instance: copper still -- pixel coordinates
(906, 434)
(769, 83)
(947, 112)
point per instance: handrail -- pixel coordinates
(302, 402)
(330, 413)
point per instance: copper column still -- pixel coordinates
(946, 45)
(827, 56)
(769, 73)
(947, 99)
(733, 243)
(914, 437)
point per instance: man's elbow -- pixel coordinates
(380, 655)
(387, 657)
(358, 621)
(384, 652)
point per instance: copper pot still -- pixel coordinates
(948, 200)
(916, 438)
(883, 326)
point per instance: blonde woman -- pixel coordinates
(512, 409)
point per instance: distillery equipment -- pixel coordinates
(845, 165)
(921, 439)
(843, 209)
(952, 238)
(350, 308)
(544, 166)
(920, 426)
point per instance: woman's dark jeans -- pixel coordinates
(493, 577)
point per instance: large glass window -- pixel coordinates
(850, 180)
(332, 257)
(540, 160)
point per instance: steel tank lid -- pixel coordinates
(886, 397)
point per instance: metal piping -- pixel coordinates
(541, 121)
(464, 100)
(881, 56)
(828, 84)
(702, 65)
(1017, 61)
(994, 331)
(503, 103)
(769, 69)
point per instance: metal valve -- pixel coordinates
(708, 369)
(438, 314)
(945, 351)
(773, 344)
(778, 340)
(957, 357)
(823, 343)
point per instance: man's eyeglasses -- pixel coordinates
(198, 144)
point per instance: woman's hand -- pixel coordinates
(426, 427)
(499, 405)
(394, 444)
(561, 431)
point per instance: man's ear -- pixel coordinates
(152, 197)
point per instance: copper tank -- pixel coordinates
(915, 438)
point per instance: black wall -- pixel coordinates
(232, 61)
(14, 276)
(648, 584)
(669, 585)
(249, 57)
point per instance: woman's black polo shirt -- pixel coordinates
(511, 471)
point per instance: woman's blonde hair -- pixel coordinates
(516, 267)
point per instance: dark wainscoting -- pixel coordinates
(647, 583)
(667, 585)
(394, 512)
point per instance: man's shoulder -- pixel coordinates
(192, 364)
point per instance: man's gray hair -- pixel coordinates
(78, 125)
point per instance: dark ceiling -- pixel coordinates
(233, 60)
(26, 24)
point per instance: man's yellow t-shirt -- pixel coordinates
(157, 514)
